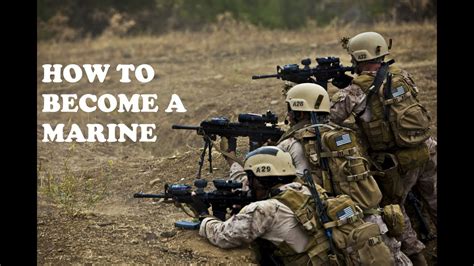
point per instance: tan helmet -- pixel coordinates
(269, 161)
(367, 46)
(308, 97)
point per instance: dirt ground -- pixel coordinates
(86, 212)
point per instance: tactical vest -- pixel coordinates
(349, 170)
(397, 117)
(356, 242)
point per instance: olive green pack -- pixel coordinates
(388, 177)
(393, 217)
(391, 167)
(360, 242)
(349, 169)
(407, 123)
(356, 242)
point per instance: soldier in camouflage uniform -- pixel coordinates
(299, 141)
(407, 153)
(281, 224)
(267, 219)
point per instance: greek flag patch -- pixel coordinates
(345, 213)
(398, 91)
(343, 139)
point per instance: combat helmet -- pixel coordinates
(269, 161)
(308, 97)
(367, 46)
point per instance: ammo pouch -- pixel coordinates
(411, 158)
(393, 217)
(317, 248)
(378, 132)
(360, 242)
(388, 176)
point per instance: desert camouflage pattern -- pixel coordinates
(348, 102)
(268, 219)
(296, 151)
(238, 174)
(425, 179)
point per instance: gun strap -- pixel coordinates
(326, 171)
(379, 79)
(387, 94)
(229, 155)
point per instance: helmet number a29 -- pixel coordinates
(264, 169)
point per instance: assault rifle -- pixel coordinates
(426, 233)
(321, 212)
(328, 68)
(226, 195)
(325, 170)
(258, 128)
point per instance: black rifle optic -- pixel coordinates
(328, 68)
(258, 128)
(226, 195)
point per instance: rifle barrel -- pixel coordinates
(143, 195)
(185, 127)
(265, 76)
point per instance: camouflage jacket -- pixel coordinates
(268, 219)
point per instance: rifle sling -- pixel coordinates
(229, 155)
(378, 81)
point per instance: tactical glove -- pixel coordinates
(200, 207)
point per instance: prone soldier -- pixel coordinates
(285, 225)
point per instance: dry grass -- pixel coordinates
(211, 70)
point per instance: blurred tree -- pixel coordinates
(92, 18)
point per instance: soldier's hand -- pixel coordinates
(228, 144)
(199, 207)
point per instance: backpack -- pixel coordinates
(356, 242)
(398, 119)
(349, 169)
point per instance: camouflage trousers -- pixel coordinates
(393, 244)
(424, 179)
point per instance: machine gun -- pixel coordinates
(258, 128)
(226, 195)
(328, 68)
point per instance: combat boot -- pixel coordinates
(418, 259)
